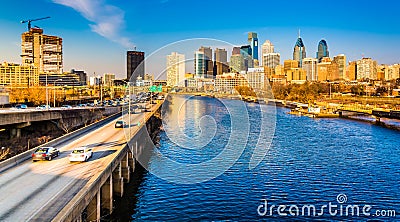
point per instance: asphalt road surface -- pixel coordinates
(37, 191)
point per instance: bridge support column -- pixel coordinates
(125, 168)
(118, 181)
(107, 196)
(131, 161)
(15, 133)
(93, 209)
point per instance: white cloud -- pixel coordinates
(108, 20)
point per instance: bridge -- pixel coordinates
(58, 190)
(64, 119)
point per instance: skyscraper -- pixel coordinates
(134, 65)
(322, 50)
(221, 61)
(271, 60)
(246, 53)
(207, 60)
(199, 64)
(253, 42)
(310, 66)
(236, 50)
(366, 68)
(299, 52)
(43, 51)
(267, 47)
(175, 69)
(340, 60)
(351, 71)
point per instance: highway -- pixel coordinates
(37, 191)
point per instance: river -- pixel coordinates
(311, 162)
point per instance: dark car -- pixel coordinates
(120, 124)
(45, 153)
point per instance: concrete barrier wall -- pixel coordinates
(73, 210)
(20, 158)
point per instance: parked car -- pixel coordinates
(45, 153)
(43, 107)
(120, 124)
(21, 106)
(80, 154)
(66, 107)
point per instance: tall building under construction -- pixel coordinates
(43, 51)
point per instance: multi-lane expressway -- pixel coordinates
(38, 191)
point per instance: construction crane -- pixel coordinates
(31, 20)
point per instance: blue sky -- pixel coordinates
(97, 33)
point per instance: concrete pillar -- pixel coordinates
(118, 181)
(93, 209)
(107, 196)
(13, 133)
(125, 168)
(131, 161)
(79, 219)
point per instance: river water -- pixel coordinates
(311, 162)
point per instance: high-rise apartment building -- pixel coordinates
(43, 51)
(299, 52)
(393, 72)
(322, 50)
(221, 61)
(310, 66)
(253, 42)
(340, 60)
(175, 69)
(366, 69)
(134, 65)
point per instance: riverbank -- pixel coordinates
(327, 106)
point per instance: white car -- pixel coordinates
(80, 154)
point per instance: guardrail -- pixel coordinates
(22, 157)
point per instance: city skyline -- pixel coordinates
(97, 34)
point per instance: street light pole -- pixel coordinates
(47, 95)
(129, 107)
(129, 110)
(54, 90)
